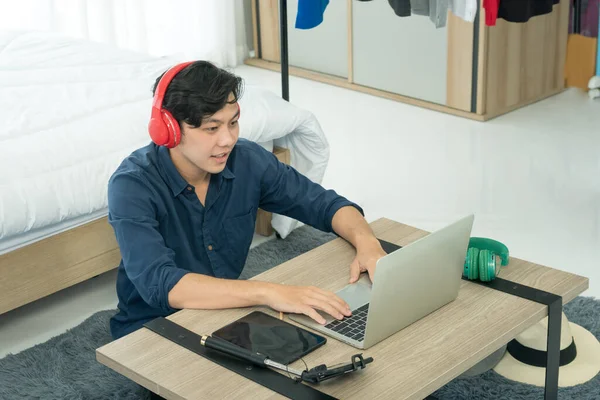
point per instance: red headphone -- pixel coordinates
(163, 127)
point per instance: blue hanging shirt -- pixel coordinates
(310, 13)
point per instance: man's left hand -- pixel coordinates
(367, 254)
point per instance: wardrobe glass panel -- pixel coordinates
(323, 48)
(403, 55)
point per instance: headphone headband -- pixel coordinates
(163, 84)
(163, 128)
(492, 245)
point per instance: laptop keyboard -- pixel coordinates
(352, 327)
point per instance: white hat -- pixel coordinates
(525, 358)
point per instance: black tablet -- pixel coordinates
(279, 340)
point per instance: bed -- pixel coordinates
(70, 111)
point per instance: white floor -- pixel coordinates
(531, 177)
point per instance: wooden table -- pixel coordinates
(411, 364)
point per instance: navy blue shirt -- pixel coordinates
(164, 231)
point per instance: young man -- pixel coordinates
(183, 209)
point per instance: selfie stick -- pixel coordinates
(314, 375)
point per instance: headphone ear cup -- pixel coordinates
(471, 269)
(173, 131)
(487, 266)
(158, 130)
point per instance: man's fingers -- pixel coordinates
(331, 298)
(330, 295)
(354, 271)
(310, 312)
(324, 305)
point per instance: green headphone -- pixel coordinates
(481, 259)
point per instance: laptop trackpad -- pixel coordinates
(357, 294)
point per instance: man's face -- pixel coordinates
(208, 146)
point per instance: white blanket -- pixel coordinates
(71, 110)
(272, 118)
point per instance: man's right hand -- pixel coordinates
(306, 300)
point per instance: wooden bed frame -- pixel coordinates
(65, 259)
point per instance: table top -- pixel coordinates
(410, 364)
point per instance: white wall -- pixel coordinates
(188, 29)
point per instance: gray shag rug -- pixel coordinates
(65, 367)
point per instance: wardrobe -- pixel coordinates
(463, 68)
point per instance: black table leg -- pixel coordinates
(554, 304)
(553, 355)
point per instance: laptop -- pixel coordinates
(409, 283)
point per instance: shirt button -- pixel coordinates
(190, 188)
(210, 247)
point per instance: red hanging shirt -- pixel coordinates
(491, 11)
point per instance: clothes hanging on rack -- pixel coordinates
(580, 63)
(419, 7)
(523, 10)
(436, 10)
(589, 17)
(491, 11)
(310, 13)
(464, 9)
(401, 7)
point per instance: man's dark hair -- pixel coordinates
(199, 91)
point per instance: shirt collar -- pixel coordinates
(174, 178)
(226, 173)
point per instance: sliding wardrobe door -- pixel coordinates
(403, 55)
(323, 48)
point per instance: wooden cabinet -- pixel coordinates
(463, 68)
(523, 62)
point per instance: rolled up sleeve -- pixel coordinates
(148, 262)
(287, 192)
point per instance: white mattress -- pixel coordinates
(23, 239)
(71, 110)
(14, 242)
